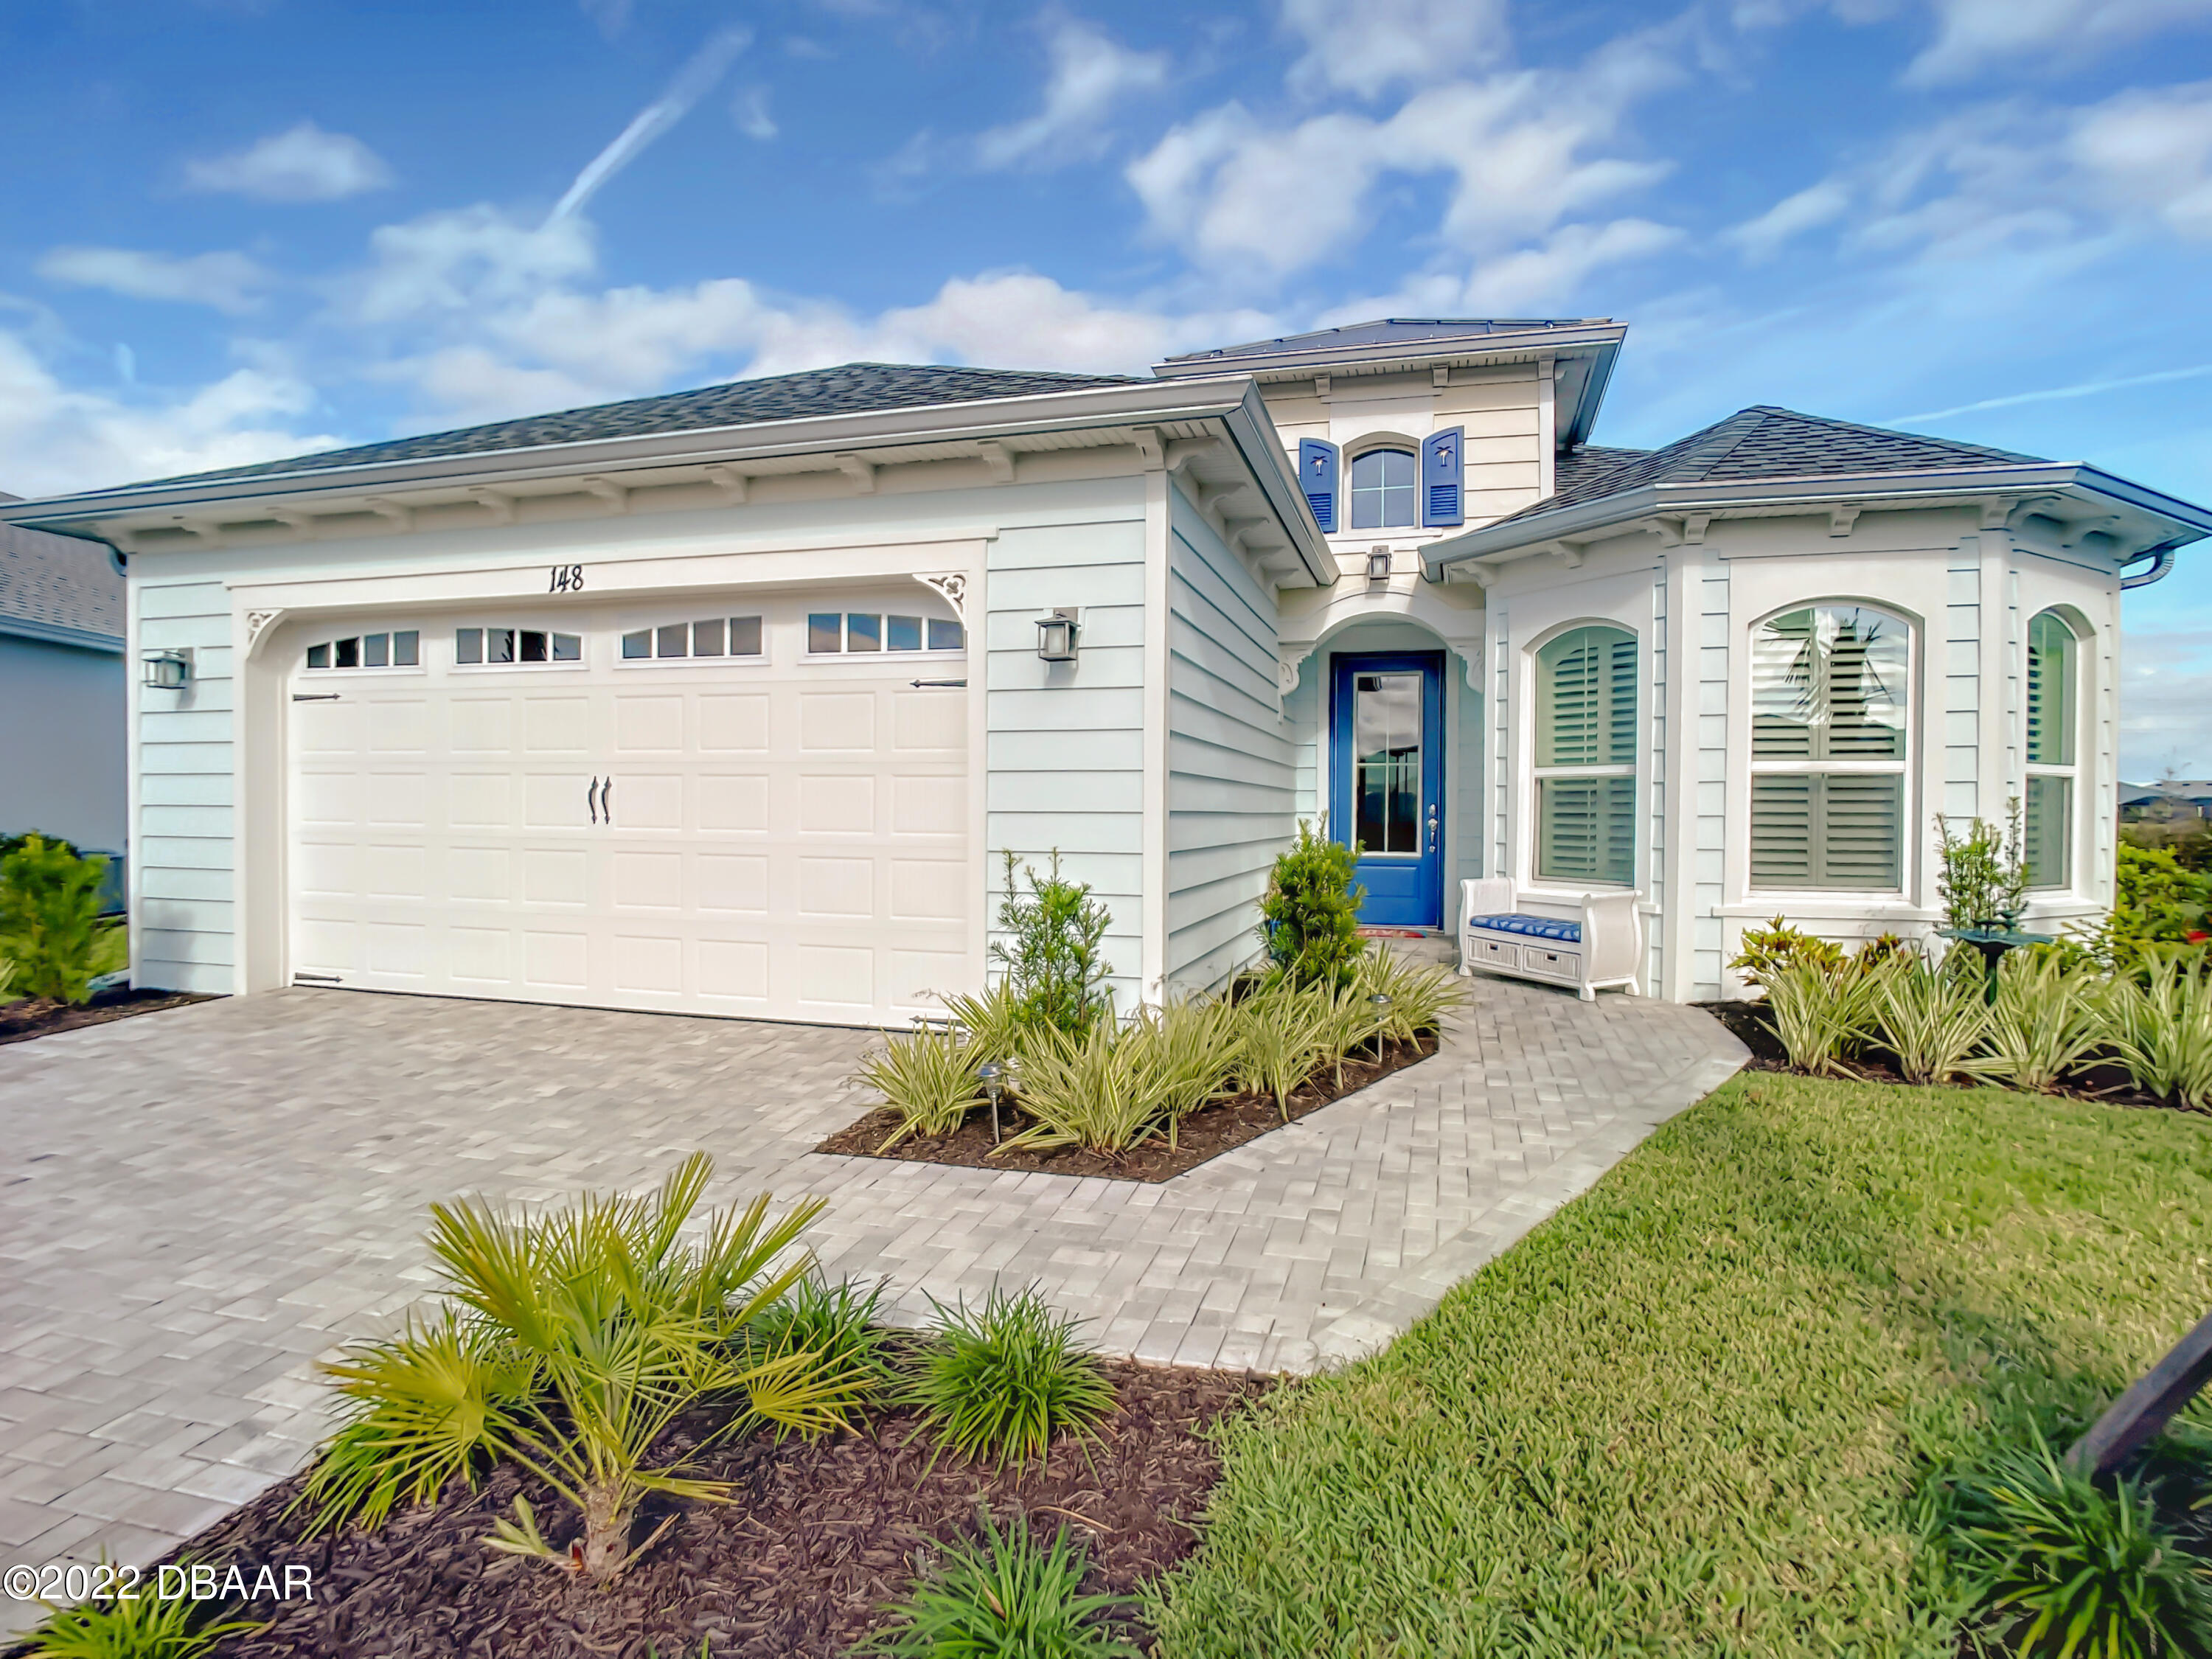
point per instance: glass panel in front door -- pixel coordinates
(1386, 749)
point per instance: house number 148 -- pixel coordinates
(566, 578)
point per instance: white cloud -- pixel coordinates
(701, 72)
(1808, 209)
(1974, 35)
(228, 281)
(1090, 75)
(57, 439)
(1543, 277)
(1370, 47)
(463, 261)
(1237, 192)
(750, 111)
(301, 164)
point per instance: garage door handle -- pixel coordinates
(607, 799)
(591, 799)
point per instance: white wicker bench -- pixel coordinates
(1602, 948)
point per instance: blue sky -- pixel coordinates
(238, 229)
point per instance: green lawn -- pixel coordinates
(1690, 1413)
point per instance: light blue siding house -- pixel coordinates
(725, 701)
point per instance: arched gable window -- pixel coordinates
(2053, 673)
(1384, 495)
(1585, 764)
(1829, 693)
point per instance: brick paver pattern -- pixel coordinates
(194, 1205)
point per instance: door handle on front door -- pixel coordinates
(1432, 827)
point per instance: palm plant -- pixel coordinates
(1819, 1013)
(2159, 1024)
(2061, 1567)
(571, 1341)
(931, 1079)
(2047, 1018)
(1930, 1016)
(1285, 1036)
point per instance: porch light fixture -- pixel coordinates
(1378, 566)
(1381, 1005)
(993, 1078)
(1056, 636)
(167, 670)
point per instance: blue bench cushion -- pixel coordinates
(1534, 926)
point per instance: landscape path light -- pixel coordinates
(1381, 1005)
(993, 1077)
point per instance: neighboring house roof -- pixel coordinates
(848, 389)
(1386, 331)
(2172, 789)
(1761, 442)
(56, 587)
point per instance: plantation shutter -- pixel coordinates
(1586, 719)
(1828, 684)
(1442, 476)
(2046, 831)
(1318, 473)
(2050, 692)
(1827, 829)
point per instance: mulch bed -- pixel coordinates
(1750, 1022)
(37, 1017)
(821, 1536)
(1206, 1133)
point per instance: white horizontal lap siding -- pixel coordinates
(1066, 746)
(184, 845)
(1232, 783)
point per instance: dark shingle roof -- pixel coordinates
(58, 582)
(848, 389)
(1755, 443)
(1390, 330)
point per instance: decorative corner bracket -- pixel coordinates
(951, 587)
(258, 625)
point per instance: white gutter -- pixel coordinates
(1232, 398)
(87, 639)
(1585, 519)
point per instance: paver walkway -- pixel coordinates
(196, 1204)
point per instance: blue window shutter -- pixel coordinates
(1442, 473)
(1317, 461)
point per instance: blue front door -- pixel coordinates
(1387, 783)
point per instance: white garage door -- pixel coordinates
(730, 808)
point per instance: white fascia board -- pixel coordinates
(1313, 360)
(1252, 430)
(1587, 519)
(1141, 401)
(87, 639)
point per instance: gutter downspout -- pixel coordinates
(2162, 557)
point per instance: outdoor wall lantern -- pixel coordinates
(1056, 636)
(168, 671)
(1379, 566)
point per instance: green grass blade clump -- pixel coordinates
(1005, 1596)
(1000, 1384)
(149, 1627)
(928, 1078)
(1931, 1018)
(2060, 1566)
(840, 1325)
(2047, 1018)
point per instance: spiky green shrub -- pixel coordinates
(841, 1325)
(1309, 915)
(149, 1626)
(930, 1079)
(1004, 1597)
(1285, 1035)
(1422, 993)
(1767, 950)
(1049, 948)
(1931, 1016)
(570, 1340)
(1101, 1092)
(2047, 1018)
(993, 1021)
(1194, 1044)
(49, 918)
(1821, 1014)
(1000, 1384)
(2159, 1024)
(2059, 1567)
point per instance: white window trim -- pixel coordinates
(1902, 767)
(2070, 886)
(1554, 888)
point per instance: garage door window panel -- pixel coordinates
(508, 648)
(704, 636)
(399, 647)
(835, 633)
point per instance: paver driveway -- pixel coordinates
(195, 1204)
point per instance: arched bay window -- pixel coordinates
(1585, 763)
(1830, 691)
(2053, 671)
